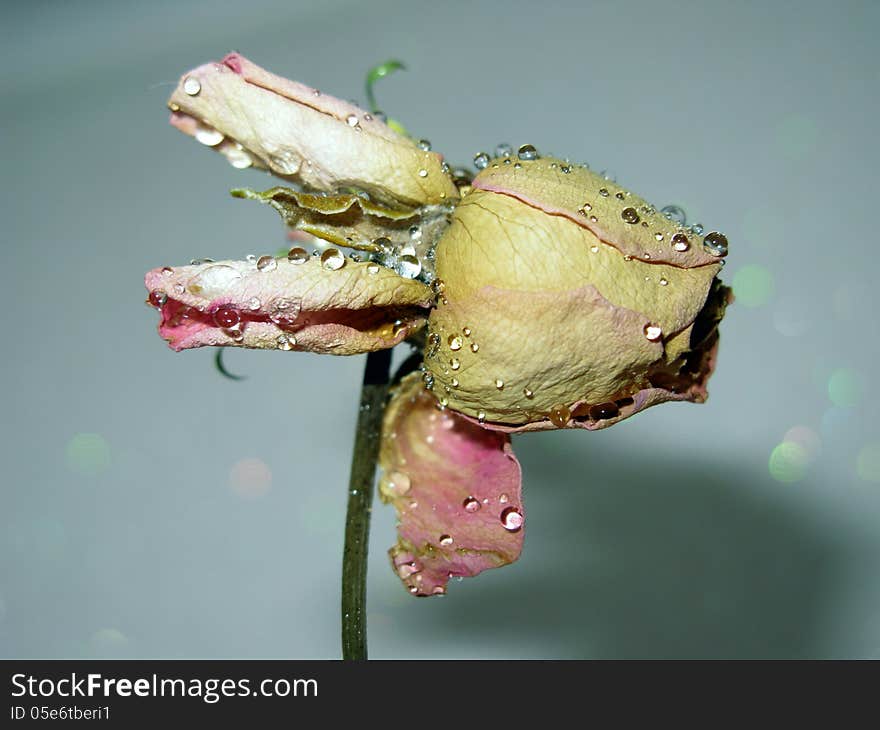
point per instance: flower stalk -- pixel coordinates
(374, 393)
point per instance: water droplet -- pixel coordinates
(297, 255)
(446, 540)
(455, 382)
(503, 498)
(680, 242)
(399, 483)
(423, 172)
(454, 363)
(527, 152)
(158, 297)
(351, 120)
(226, 316)
(663, 282)
(167, 271)
(438, 286)
(528, 393)
(674, 213)
(267, 263)
(481, 160)
(503, 150)
(475, 347)
(658, 236)
(373, 268)
(332, 259)
(499, 383)
(653, 332)
(481, 416)
(594, 248)
(630, 216)
(433, 344)
(238, 157)
(603, 192)
(603, 411)
(208, 136)
(455, 342)
(559, 415)
(284, 342)
(715, 243)
(471, 505)
(254, 304)
(415, 233)
(191, 85)
(585, 208)
(424, 145)
(408, 266)
(697, 228)
(512, 519)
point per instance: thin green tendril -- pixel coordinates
(373, 75)
(221, 368)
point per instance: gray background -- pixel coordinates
(129, 525)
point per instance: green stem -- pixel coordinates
(374, 392)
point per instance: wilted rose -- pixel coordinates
(553, 298)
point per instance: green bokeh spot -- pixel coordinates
(753, 285)
(788, 462)
(87, 454)
(845, 387)
(868, 463)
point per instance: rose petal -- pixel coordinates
(679, 383)
(302, 135)
(615, 215)
(456, 488)
(276, 304)
(528, 354)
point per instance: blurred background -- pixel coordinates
(152, 508)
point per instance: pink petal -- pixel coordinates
(456, 488)
(256, 118)
(275, 304)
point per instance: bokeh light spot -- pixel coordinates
(250, 478)
(845, 387)
(805, 437)
(87, 454)
(788, 462)
(753, 285)
(108, 642)
(868, 462)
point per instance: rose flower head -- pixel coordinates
(540, 294)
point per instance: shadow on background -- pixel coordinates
(651, 558)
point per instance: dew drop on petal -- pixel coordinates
(285, 342)
(332, 259)
(208, 136)
(481, 160)
(503, 150)
(674, 213)
(373, 268)
(267, 263)
(399, 483)
(527, 152)
(630, 216)
(425, 145)
(455, 342)
(454, 363)
(603, 411)
(446, 540)
(503, 498)
(408, 266)
(297, 255)
(499, 383)
(158, 297)
(715, 243)
(481, 416)
(559, 415)
(528, 393)
(423, 173)
(351, 120)
(512, 519)
(191, 85)
(680, 242)
(471, 505)
(226, 316)
(653, 332)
